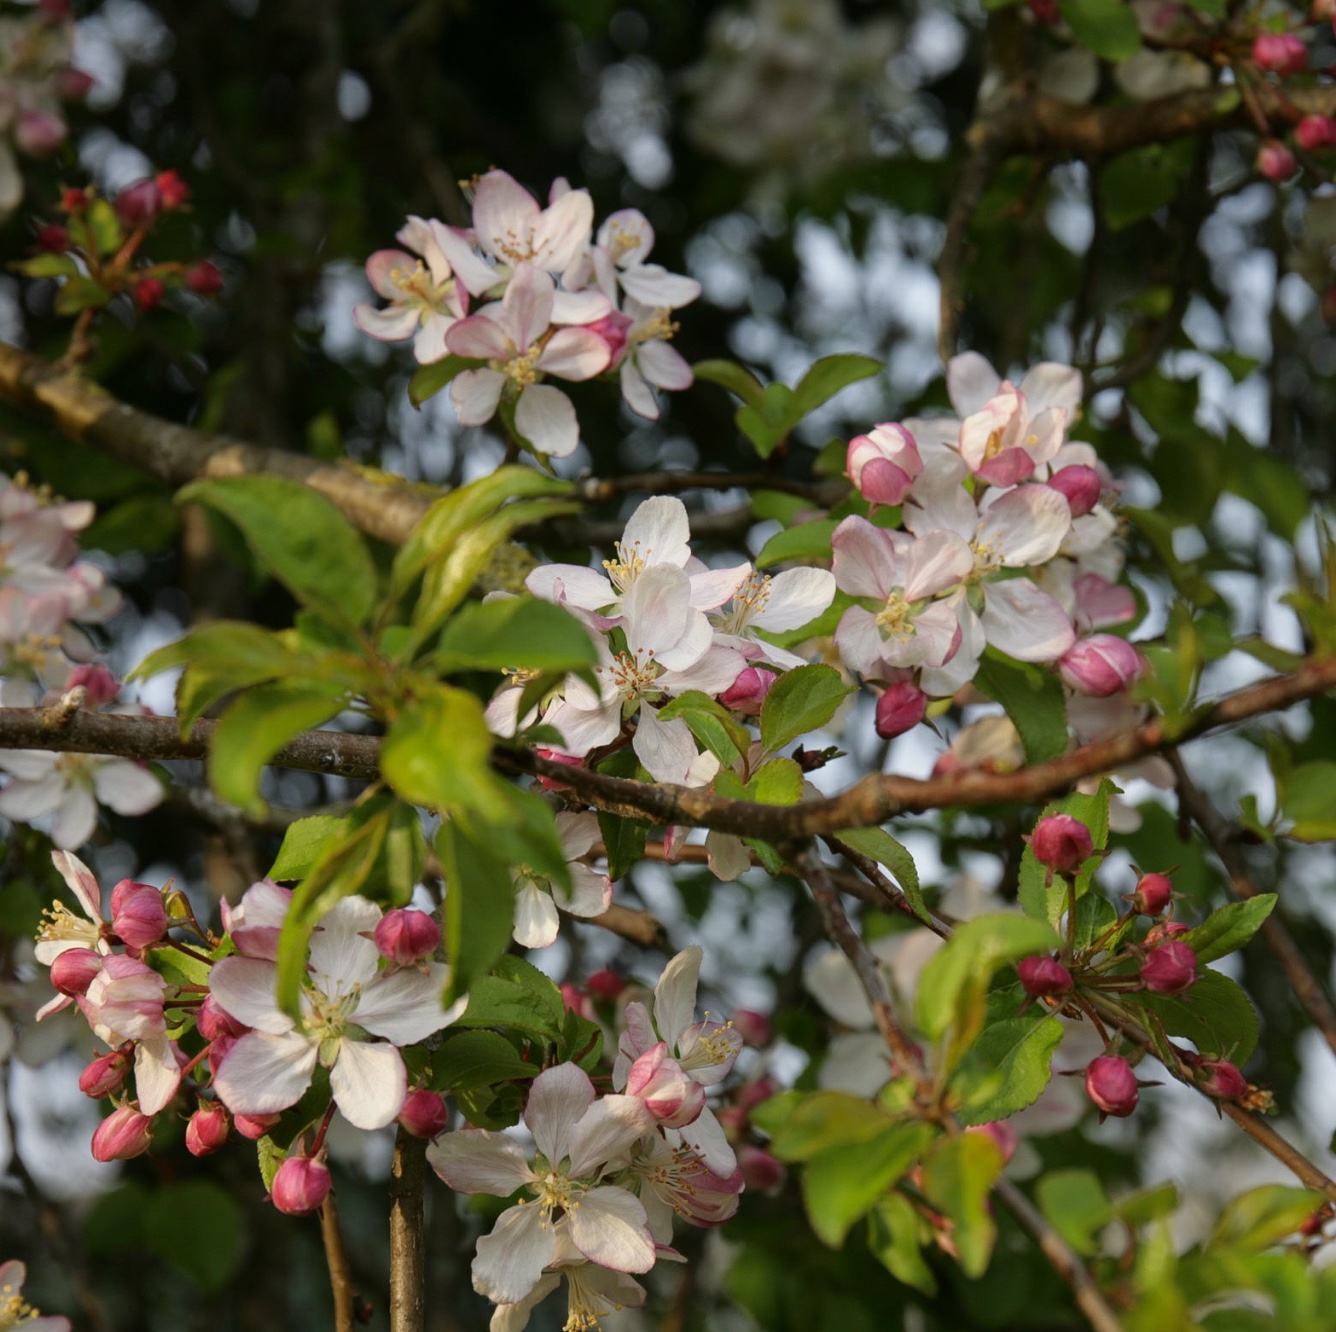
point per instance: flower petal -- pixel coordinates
(405, 1006)
(536, 921)
(157, 1074)
(264, 1073)
(546, 418)
(970, 382)
(605, 1133)
(705, 1134)
(1026, 623)
(575, 354)
(611, 1229)
(341, 953)
(478, 335)
(558, 1099)
(479, 1161)
(81, 882)
(654, 285)
(369, 1082)
(509, 1262)
(246, 989)
(476, 393)
(675, 995)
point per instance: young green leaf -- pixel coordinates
(428, 380)
(1229, 928)
(479, 903)
(1007, 1068)
(957, 1178)
(515, 633)
(877, 844)
(733, 377)
(801, 701)
(1075, 1203)
(826, 377)
(806, 541)
(1032, 698)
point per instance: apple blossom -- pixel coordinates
(139, 203)
(748, 692)
(300, 1185)
(1112, 1085)
(254, 923)
(73, 970)
(672, 1179)
(404, 936)
(883, 464)
(659, 1081)
(15, 1311)
(772, 604)
(254, 1127)
(124, 1134)
(1079, 485)
(1219, 1078)
(1169, 969)
(1100, 665)
(537, 898)
(138, 916)
(424, 1113)
(648, 361)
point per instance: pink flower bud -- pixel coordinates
(206, 1130)
(1046, 12)
(605, 986)
(139, 204)
(1002, 1133)
(1314, 133)
(73, 201)
(204, 279)
(612, 328)
(300, 1186)
(883, 464)
(669, 1094)
(1043, 976)
(752, 1094)
(1275, 161)
(139, 918)
(53, 238)
(1100, 665)
(424, 1113)
(40, 133)
(405, 936)
(1159, 934)
(1169, 969)
(123, 1134)
(213, 1021)
(1080, 486)
(73, 970)
(172, 190)
(74, 84)
(556, 756)
(1221, 1079)
(1112, 1085)
(98, 683)
(1061, 843)
(105, 1076)
(733, 1119)
(254, 1126)
(748, 691)
(219, 1048)
(900, 709)
(1280, 52)
(753, 1027)
(126, 996)
(760, 1170)
(149, 292)
(577, 1001)
(1153, 895)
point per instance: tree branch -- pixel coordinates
(407, 1259)
(336, 1258)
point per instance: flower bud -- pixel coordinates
(612, 329)
(105, 1076)
(556, 756)
(73, 201)
(752, 1094)
(1275, 161)
(100, 686)
(1061, 843)
(1079, 485)
(1314, 133)
(424, 1113)
(1159, 934)
(254, 1127)
(206, 1130)
(204, 279)
(1169, 969)
(40, 133)
(139, 918)
(1100, 665)
(1221, 1079)
(149, 292)
(668, 1093)
(1112, 1085)
(52, 238)
(753, 1027)
(883, 464)
(748, 691)
(1043, 976)
(760, 1170)
(124, 1133)
(219, 1048)
(300, 1186)
(1153, 895)
(73, 970)
(213, 1021)
(1046, 12)
(900, 709)
(172, 190)
(74, 84)
(405, 936)
(1280, 52)
(605, 985)
(139, 204)
(733, 1119)
(1002, 1133)
(577, 1001)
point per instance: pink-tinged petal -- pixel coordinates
(476, 393)
(1026, 525)
(1008, 468)
(936, 562)
(584, 729)
(610, 1228)
(655, 286)
(675, 995)
(797, 597)
(76, 819)
(970, 382)
(527, 305)
(591, 892)
(638, 1031)
(474, 272)
(707, 1137)
(382, 265)
(546, 418)
(728, 856)
(580, 307)
(859, 640)
(1026, 623)
(24, 800)
(80, 881)
(405, 1006)
(664, 366)
(1050, 384)
(982, 430)
(562, 230)
(341, 954)
(936, 628)
(963, 664)
(636, 393)
(429, 344)
(503, 211)
(1100, 603)
(883, 482)
(369, 1082)
(515, 1317)
(603, 1138)
(264, 1073)
(571, 585)
(710, 588)
(1046, 433)
(577, 833)
(558, 1099)
(866, 562)
(510, 1261)
(479, 336)
(536, 922)
(246, 988)
(666, 748)
(661, 531)
(126, 787)
(157, 1074)
(711, 673)
(656, 608)
(479, 1161)
(575, 354)
(392, 325)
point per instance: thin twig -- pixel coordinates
(336, 1259)
(407, 1267)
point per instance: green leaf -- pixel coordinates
(301, 538)
(733, 377)
(212, 1252)
(1308, 800)
(514, 633)
(957, 1178)
(826, 377)
(1006, 1068)
(877, 844)
(1107, 27)
(624, 841)
(778, 782)
(428, 380)
(1229, 928)
(1032, 698)
(495, 1001)
(806, 541)
(255, 728)
(437, 750)
(1148, 1204)
(841, 1183)
(711, 723)
(1263, 1216)
(1134, 184)
(479, 904)
(77, 294)
(47, 265)
(1045, 897)
(477, 1059)
(1214, 1014)
(104, 227)
(896, 1233)
(827, 1119)
(800, 701)
(1075, 1203)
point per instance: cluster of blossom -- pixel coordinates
(1286, 55)
(36, 77)
(1007, 541)
(558, 302)
(46, 595)
(610, 1171)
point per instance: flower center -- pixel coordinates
(326, 1016)
(628, 566)
(13, 1309)
(521, 369)
(514, 247)
(895, 620)
(633, 674)
(586, 1305)
(711, 1046)
(621, 240)
(658, 328)
(748, 602)
(59, 925)
(555, 1193)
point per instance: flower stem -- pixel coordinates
(336, 1259)
(407, 1269)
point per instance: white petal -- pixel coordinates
(706, 1135)
(865, 560)
(637, 394)
(729, 858)
(341, 954)
(575, 354)
(509, 1262)
(654, 285)
(797, 596)
(405, 1006)
(710, 588)
(478, 1161)
(857, 1062)
(515, 1317)
(127, 787)
(591, 892)
(859, 640)
(970, 382)
(503, 210)
(476, 393)
(572, 585)
(936, 562)
(563, 229)
(546, 418)
(389, 325)
(264, 1073)
(667, 749)
(577, 833)
(664, 366)
(675, 995)
(657, 609)
(369, 1082)
(1026, 524)
(1026, 623)
(81, 882)
(579, 307)
(558, 1099)
(605, 1133)
(479, 336)
(1050, 384)
(157, 1074)
(610, 1228)
(24, 800)
(473, 271)
(76, 818)
(245, 987)
(536, 920)
(661, 530)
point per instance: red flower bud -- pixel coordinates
(1169, 969)
(139, 204)
(138, 918)
(556, 756)
(74, 84)
(123, 1134)
(900, 709)
(1061, 843)
(760, 1171)
(1079, 485)
(1314, 133)
(753, 1027)
(172, 190)
(214, 1021)
(424, 1114)
(666, 1090)
(1112, 1085)
(300, 1186)
(73, 201)
(748, 691)
(405, 936)
(73, 970)
(576, 1001)
(1280, 52)
(254, 1126)
(98, 683)
(105, 1076)
(1275, 161)
(1160, 934)
(1044, 975)
(149, 292)
(40, 133)
(1046, 11)
(206, 1130)
(605, 986)
(1221, 1079)
(204, 279)
(52, 238)
(1153, 895)
(1003, 1134)
(1100, 665)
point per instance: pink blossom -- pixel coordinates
(254, 923)
(1281, 53)
(748, 691)
(668, 1093)
(1112, 1085)
(1061, 843)
(1079, 485)
(1219, 1078)
(138, 917)
(207, 1129)
(424, 1113)
(1100, 665)
(406, 936)
(672, 1180)
(72, 971)
(883, 464)
(300, 1185)
(139, 204)
(125, 1133)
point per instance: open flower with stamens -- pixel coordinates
(15, 1311)
(581, 1138)
(648, 362)
(124, 1002)
(772, 604)
(670, 1180)
(345, 1000)
(536, 899)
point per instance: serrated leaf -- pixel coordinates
(799, 702)
(827, 376)
(437, 750)
(827, 1119)
(1214, 1014)
(778, 782)
(479, 904)
(1007, 1068)
(1229, 928)
(469, 1059)
(1108, 27)
(957, 1178)
(806, 541)
(1076, 1205)
(497, 1002)
(877, 844)
(711, 723)
(514, 633)
(1032, 698)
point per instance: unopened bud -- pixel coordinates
(752, 1094)
(254, 1127)
(612, 329)
(52, 238)
(1080, 486)
(40, 133)
(748, 691)
(668, 1093)
(100, 686)
(204, 279)
(206, 1130)
(149, 292)
(73, 970)
(883, 464)
(1044, 976)
(1100, 665)
(73, 201)
(760, 1170)
(1160, 934)
(172, 190)
(1221, 1079)
(605, 985)
(1169, 969)
(1314, 133)
(900, 709)
(74, 84)
(106, 1075)
(1112, 1085)
(405, 936)
(1061, 843)
(214, 1021)
(1280, 53)
(139, 918)
(139, 204)
(577, 1001)
(124, 1133)
(556, 756)
(1275, 161)
(1153, 895)
(1002, 1133)
(753, 1027)
(424, 1113)
(300, 1186)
